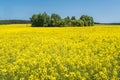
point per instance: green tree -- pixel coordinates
(73, 18)
(67, 21)
(88, 21)
(81, 23)
(34, 20)
(73, 21)
(62, 23)
(92, 21)
(41, 20)
(55, 20)
(44, 20)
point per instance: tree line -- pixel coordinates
(55, 20)
(15, 22)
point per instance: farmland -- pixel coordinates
(59, 53)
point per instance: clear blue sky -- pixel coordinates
(101, 10)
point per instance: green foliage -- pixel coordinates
(73, 18)
(55, 20)
(67, 21)
(40, 20)
(88, 21)
(15, 22)
(81, 22)
(34, 20)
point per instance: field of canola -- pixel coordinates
(66, 53)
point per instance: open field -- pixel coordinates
(64, 53)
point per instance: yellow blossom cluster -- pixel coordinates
(59, 53)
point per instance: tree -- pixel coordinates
(44, 20)
(67, 21)
(73, 22)
(55, 20)
(88, 21)
(34, 20)
(62, 23)
(92, 21)
(81, 23)
(73, 18)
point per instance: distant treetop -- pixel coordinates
(55, 20)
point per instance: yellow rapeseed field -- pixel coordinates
(59, 53)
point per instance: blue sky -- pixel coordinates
(101, 10)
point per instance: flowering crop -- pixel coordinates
(66, 53)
